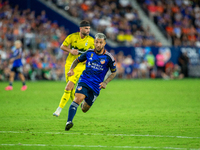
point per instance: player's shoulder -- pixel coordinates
(90, 51)
(90, 37)
(110, 55)
(75, 34)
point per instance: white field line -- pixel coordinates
(100, 134)
(98, 146)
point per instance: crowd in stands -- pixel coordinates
(178, 19)
(42, 57)
(41, 38)
(117, 19)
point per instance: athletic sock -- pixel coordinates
(72, 96)
(72, 111)
(23, 83)
(64, 99)
(10, 83)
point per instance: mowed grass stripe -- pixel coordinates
(98, 146)
(99, 134)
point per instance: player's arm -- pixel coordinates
(81, 58)
(65, 45)
(104, 83)
(67, 49)
(112, 66)
(15, 56)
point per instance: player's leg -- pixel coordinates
(11, 79)
(89, 100)
(24, 86)
(69, 89)
(64, 99)
(79, 97)
(67, 94)
(84, 106)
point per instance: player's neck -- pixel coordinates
(101, 52)
(82, 36)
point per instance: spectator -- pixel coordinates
(183, 62)
(160, 62)
(143, 69)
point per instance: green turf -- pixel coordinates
(131, 114)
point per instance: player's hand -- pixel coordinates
(74, 52)
(70, 73)
(102, 85)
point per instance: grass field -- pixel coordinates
(129, 114)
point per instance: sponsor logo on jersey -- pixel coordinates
(91, 56)
(79, 88)
(102, 61)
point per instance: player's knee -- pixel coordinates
(84, 107)
(69, 86)
(84, 110)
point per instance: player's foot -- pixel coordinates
(9, 88)
(56, 113)
(68, 125)
(24, 87)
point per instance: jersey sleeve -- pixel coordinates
(82, 57)
(68, 40)
(112, 65)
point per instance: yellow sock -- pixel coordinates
(65, 98)
(72, 96)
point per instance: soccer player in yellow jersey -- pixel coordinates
(79, 42)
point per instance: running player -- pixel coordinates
(17, 66)
(98, 62)
(79, 42)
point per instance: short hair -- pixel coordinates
(18, 41)
(100, 36)
(84, 23)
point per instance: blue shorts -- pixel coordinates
(17, 69)
(87, 91)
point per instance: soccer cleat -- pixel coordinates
(9, 88)
(56, 113)
(68, 125)
(24, 87)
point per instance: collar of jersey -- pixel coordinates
(100, 54)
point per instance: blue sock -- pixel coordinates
(10, 83)
(72, 111)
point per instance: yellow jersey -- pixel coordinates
(76, 42)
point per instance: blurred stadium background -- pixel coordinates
(148, 38)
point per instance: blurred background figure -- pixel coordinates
(183, 62)
(16, 66)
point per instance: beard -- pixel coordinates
(99, 50)
(85, 33)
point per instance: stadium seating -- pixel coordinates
(178, 20)
(115, 18)
(41, 39)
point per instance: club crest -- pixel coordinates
(102, 61)
(79, 88)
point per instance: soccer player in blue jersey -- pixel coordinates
(17, 66)
(98, 62)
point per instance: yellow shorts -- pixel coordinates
(77, 73)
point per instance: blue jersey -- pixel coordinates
(97, 65)
(17, 53)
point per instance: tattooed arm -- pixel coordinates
(103, 84)
(74, 64)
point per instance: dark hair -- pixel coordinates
(84, 23)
